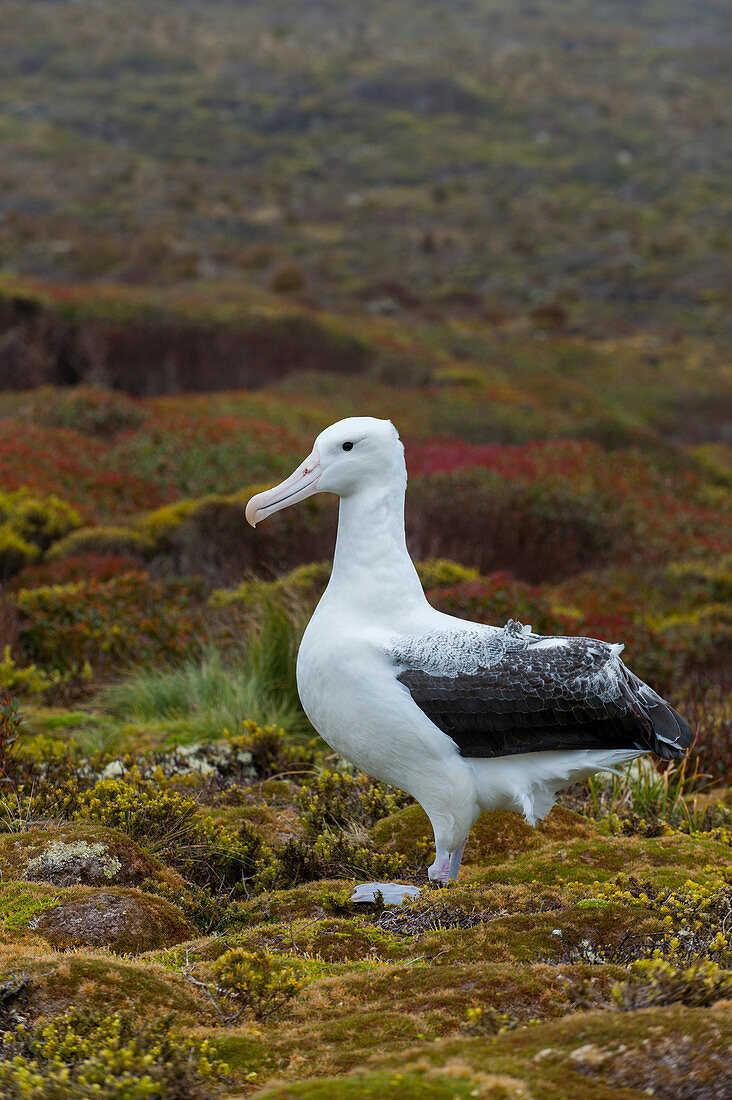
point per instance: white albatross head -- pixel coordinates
(357, 453)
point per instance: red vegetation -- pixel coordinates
(662, 510)
(109, 623)
(60, 461)
(78, 567)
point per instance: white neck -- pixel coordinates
(372, 570)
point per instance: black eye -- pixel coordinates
(348, 446)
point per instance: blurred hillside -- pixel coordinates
(557, 161)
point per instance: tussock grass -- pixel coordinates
(203, 696)
(650, 797)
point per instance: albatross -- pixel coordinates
(464, 717)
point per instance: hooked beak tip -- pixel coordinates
(290, 491)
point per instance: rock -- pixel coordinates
(393, 893)
(589, 1055)
(126, 921)
(86, 855)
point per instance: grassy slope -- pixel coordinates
(495, 156)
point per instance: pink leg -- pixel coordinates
(455, 859)
(440, 869)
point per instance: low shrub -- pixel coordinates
(190, 450)
(700, 581)
(271, 751)
(171, 826)
(86, 410)
(57, 461)
(10, 720)
(15, 552)
(102, 540)
(78, 567)
(260, 983)
(480, 1020)
(702, 638)
(708, 709)
(337, 800)
(40, 520)
(695, 916)
(498, 597)
(110, 1056)
(19, 679)
(657, 982)
(329, 856)
(28, 526)
(493, 524)
(442, 573)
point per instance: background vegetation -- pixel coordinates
(222, 227)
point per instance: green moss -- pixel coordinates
(411, 1084)
(312, 900)
(78, 854)
(124, 920)
(406, 833)
(21, 904)
(102, 540)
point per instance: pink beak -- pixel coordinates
(303, 483)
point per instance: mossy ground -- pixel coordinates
(500, 985)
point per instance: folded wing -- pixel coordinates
(503, 692)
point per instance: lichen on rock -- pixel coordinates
(77, 854)
(86, 862)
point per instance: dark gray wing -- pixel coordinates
(499, 692)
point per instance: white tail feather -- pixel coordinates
(529, 783)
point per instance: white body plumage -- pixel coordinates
(378, 665)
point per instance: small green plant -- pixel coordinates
(488, 1020)
(695, 917)
(329, 856)
(106, 1056)
(334, 800)
(26, 680)
(658, 982)
(38, 519)
(170, 825)
(259, 982)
